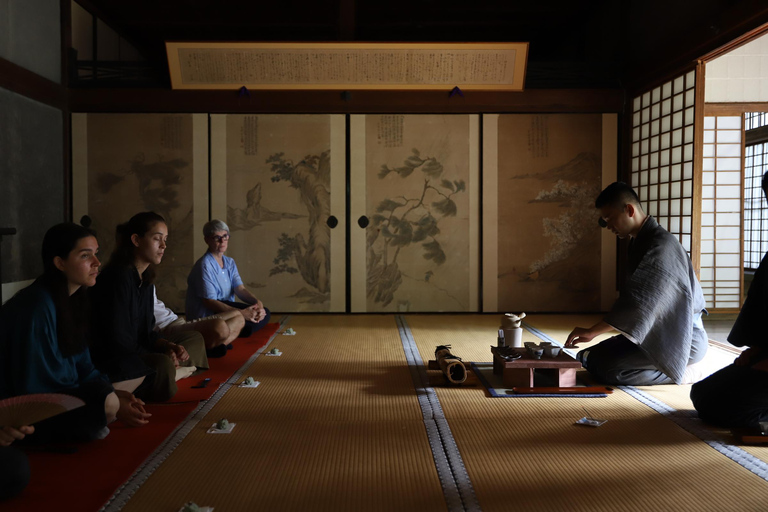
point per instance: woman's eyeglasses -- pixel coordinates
(220, 238)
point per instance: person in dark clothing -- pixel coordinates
(737, 395)
(44, 340)
(128, 347)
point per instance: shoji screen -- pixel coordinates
(755, 210)
(721, 264)
(662, 154)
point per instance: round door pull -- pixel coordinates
(332, 222)
(363, 222)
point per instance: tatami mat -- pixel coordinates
(677, 397)
(527, 454)
(334, 425)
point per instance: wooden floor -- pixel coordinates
(336, 424)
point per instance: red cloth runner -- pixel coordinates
(85, 480)
(222, 368)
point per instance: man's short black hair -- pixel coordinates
(617, 194)
(765, 185)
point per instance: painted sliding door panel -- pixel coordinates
(124, 164)
(277, 180)
(543, 249)
(414, 180)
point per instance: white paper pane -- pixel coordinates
(674, 207)
(646, 115)
(728, 260)
(655, 109)
(653, 208)
(708, 150)
(726, 274)
(687, 206)
(664, 157)
(644, 135)
(709, 136)
(707, 274)
(644, 162)
(687, 188)
(728, 219)
(654, 160)
(707, 219)
(707, 205)
(686, 241)
(666, 107)
(636, 119)
(664, 174)
(674, 224)
(728, 178)
(635, 179)
(707, 246)
(644, 143)
(674, 190)
(688, 134)
(727, 246)
(636, 103)
(653, 177)
(664, 210)
(728, 192)
(655, 143)
(707, 192)
(665, 139)
(643, 178)
(727, 232)
(663, 221)
(636, 149)
(635, 164)
(687, 225)
(709, 123)
(688, 170)
(708, 178)
(729, 122)
(729, 136)
(729, 205)
(707, 260)
(726, 304)
(728, 164)
(646, 99)
(729, 150)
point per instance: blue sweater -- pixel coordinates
(30, 359)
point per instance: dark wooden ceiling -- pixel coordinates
(588, 43)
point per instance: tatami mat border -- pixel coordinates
(457, 487)
(688, 422)
(129, 488)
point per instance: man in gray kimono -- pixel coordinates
(658, 312)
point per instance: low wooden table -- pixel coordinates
(519, 373)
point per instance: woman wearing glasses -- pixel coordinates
(214, 283)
